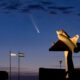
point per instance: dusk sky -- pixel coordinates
(29, 26)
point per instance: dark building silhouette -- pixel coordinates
(57, 74)
(3, 75)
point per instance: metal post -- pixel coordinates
(19, 56)
(10, 64)
(18, 68)
(60, 62)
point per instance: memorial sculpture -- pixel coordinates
(69, 46)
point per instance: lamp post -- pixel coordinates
(18, 67)
(60, 62)
(11, 54)
(19, 55)
(10, 63)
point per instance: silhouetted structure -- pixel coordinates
(60, 62)
(19, 55)
(68, 45)
(3, 75)
(57, 74)
(51, 74)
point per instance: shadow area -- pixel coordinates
(3, 75)
(57, 74)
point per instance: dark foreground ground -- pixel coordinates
(30, 77)
(3, 75)
(14, 76)
(44, 74)
(57, 74)
(24, 76)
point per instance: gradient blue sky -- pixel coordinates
(18, 34)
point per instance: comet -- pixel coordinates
(34, 23)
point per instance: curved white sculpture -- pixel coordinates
(69, 46)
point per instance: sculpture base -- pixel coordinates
(57, 74)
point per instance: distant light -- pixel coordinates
(20, 54)
(13, 54)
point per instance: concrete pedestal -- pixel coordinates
(57, 74)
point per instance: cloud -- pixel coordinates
(32, 7)
(67, 12)
(25, 10)
(3, 4)
(52, 7)
(64, 8)
(12, 6)
(60, 8)
(46, 6)
(2, 0)
(46, 3)
(53, 12)
(36, 7)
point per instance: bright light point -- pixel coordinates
(13, 54)
(20, 55)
